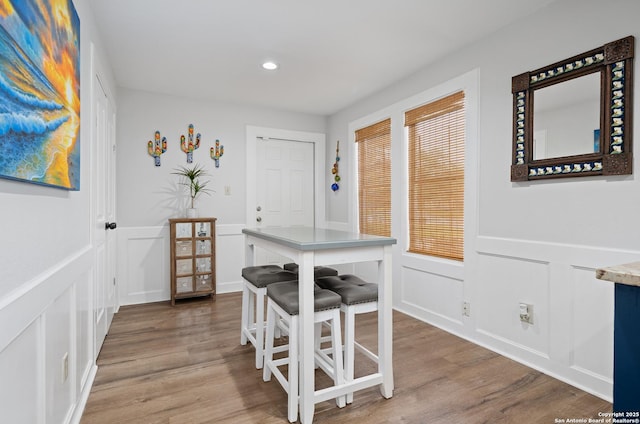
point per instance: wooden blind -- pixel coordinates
(436, 177)
(374, 178)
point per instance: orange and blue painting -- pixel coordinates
(40, 92)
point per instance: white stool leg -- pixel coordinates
(244, 326)
(269, 342)
(252, 308)
(260, 295)
(336, 352)
(278, 332)
(349, 343)
(317, 329)
(293, 369)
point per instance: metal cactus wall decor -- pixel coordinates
(188, 146)
(336, 178)
(157, 147)
(217, 152)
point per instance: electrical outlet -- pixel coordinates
(466, 309)
(65, 367)
(227, 190)
(526, 313)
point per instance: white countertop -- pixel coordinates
(628, 274)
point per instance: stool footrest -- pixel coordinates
(369, 354)
(281, 348)
(359, 383)
(275, 372)
(324, 362)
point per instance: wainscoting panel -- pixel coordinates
(20, 398)
(47, 362)
(506, 282)
(592, 333)
(572, 333)
(84, 332)
(143, 269)
(422, 295)
(229, 257)
(59, 377)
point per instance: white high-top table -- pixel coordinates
(309, 247)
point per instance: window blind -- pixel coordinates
(374, 178)
(436, 177)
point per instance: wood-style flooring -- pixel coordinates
(185, 364)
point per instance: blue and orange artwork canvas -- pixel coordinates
(40, 92)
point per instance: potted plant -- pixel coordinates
(196, 186)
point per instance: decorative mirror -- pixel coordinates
(573, 118)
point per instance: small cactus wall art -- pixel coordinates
(157, 147)
(217, 152)
(188, 145)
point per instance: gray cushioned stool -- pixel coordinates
(357, 297)
(318, 271)
(283, 304)
(254, 291)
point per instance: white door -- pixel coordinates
(110, 160)
(284, 186)
(103, 174)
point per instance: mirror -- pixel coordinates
(572, 118)
(567, 118)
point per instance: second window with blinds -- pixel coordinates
(436, 139)
(374, 178)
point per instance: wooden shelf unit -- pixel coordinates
(193, 257)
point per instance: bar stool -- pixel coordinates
(318, 271)
(357, 297)
(256, 279)
(283, 304)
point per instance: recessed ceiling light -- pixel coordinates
(270, 66)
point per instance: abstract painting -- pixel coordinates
(40, 92)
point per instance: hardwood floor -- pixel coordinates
(185, 364)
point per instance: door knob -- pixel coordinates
(259, 208)
(259, 219)
(110, 225)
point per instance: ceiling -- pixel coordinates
(331, 53)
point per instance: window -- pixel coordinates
(374, 178)
(436, 137)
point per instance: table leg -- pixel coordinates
(249, 252)
(305, 293)
(385, 324)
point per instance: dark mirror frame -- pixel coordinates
(614, 61)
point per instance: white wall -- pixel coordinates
(147, 196)
(538, 242)
(46, 277)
